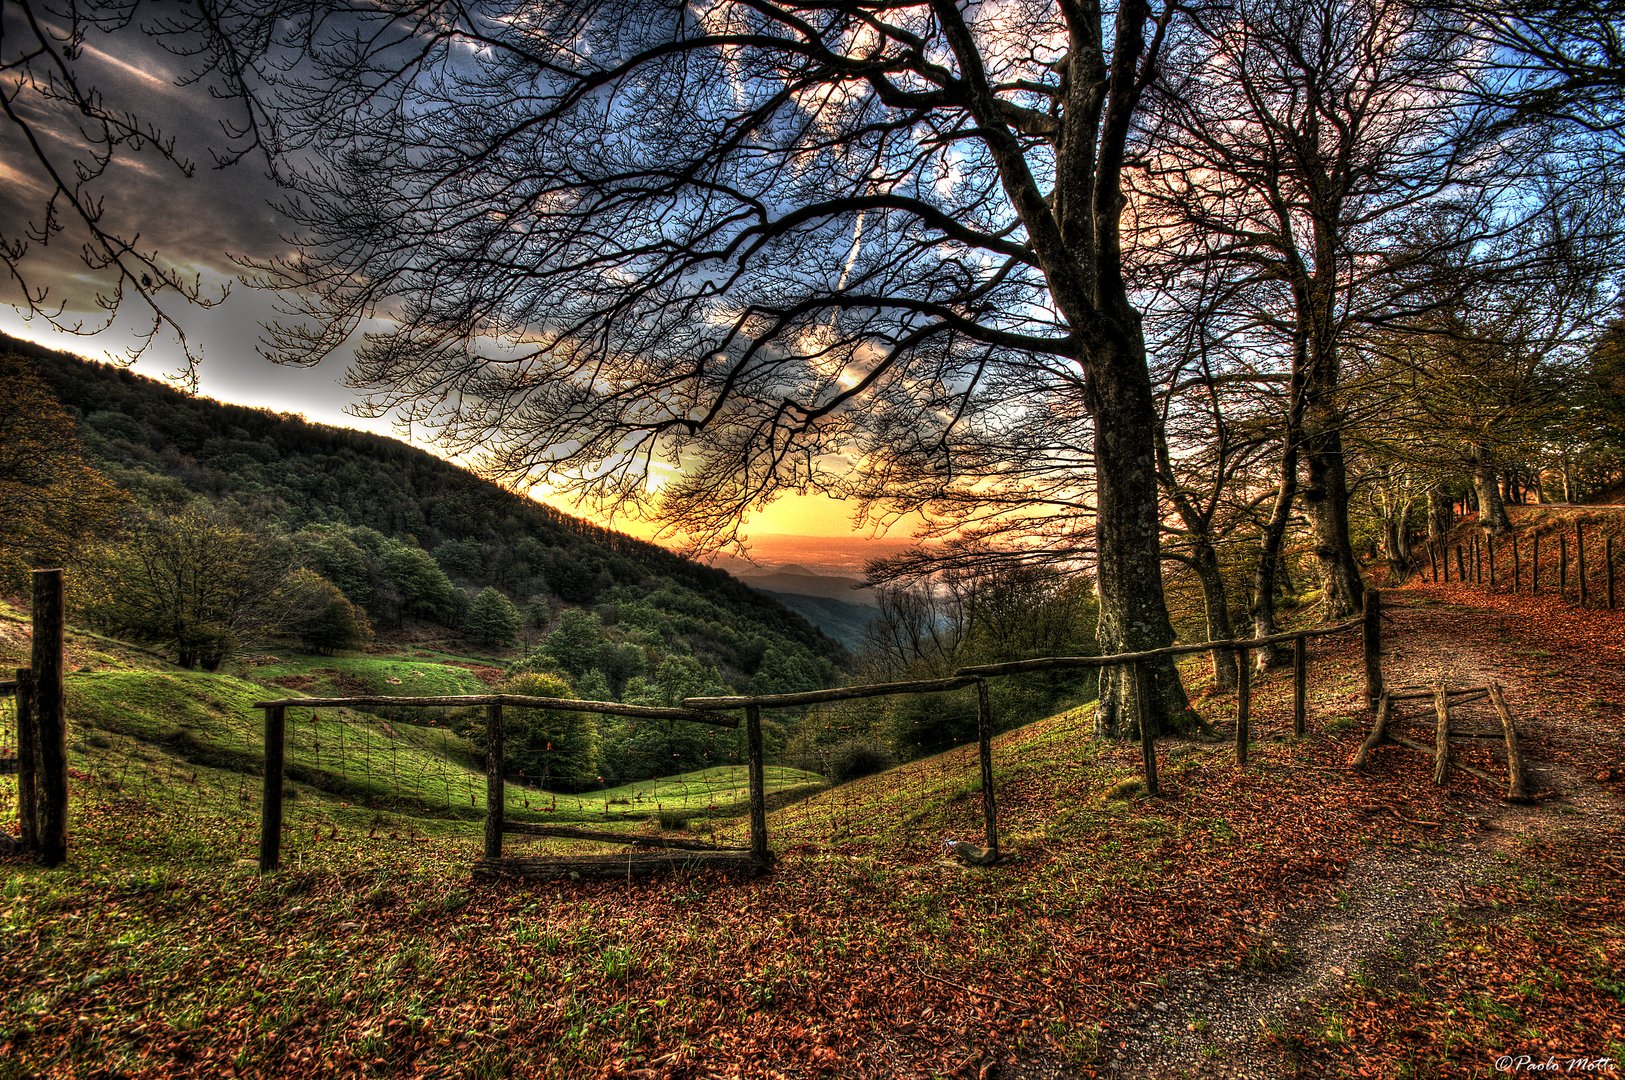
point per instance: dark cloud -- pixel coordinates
(198, 225)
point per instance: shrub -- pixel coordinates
(553, 749)
(858, 757)
(320, 616)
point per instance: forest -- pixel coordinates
(210, 531)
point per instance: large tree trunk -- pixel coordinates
(1326, 501)
(1133, 610)
(1205, 564)
(1325, 491)
(1267, 572)
(1492, 512)
(1076, 233)
(1441, 515)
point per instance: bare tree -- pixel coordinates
(1566, 59)
(615, 237)
(1215, 428)
(1297, 137)
(1485, 378)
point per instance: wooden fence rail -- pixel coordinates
(703, 710)
(614, 708)
(1014, 667)
(824, 697)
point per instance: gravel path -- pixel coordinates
(1213, 1024)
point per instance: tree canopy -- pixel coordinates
(705, 256)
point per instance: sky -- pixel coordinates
(202, 225)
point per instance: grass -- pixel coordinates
(721, 791)
(158, 950)
(356, 675)
(145, 729)
(207, 725)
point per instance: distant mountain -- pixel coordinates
(803, 582)
(160, 444)
(845, 622)
(838, 605)
(830, 556)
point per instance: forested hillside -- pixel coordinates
(413, 540)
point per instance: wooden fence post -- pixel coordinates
(1489, 550)
(1148, 741)
(1300, 685)
(758, 786)
(1516, 786)
(495, 792)
(1608, 564)
(27, 762)
(1441, 735)
(984, 741)
(1244, 702)
(1478, 571)
(271, 800)
(1580, 559)
(50, 719)
(1534, 566)
(1461, 566)
(1433, 562)
(1563, 562)
(1517, 566)
(1371, 640)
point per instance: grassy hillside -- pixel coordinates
(338, 676)
(150, 731)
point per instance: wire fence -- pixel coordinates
(353, 780)
(355, 772)
(142, 798)
(354, 776)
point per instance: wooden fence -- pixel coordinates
(1476, 563)
(495, 764)
(757, 855)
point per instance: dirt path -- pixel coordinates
(1215, 1024)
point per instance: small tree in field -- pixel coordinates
(551, 749)
(492, 619)
(191, 580)
(320, 616)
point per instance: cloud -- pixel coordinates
(195, 218)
